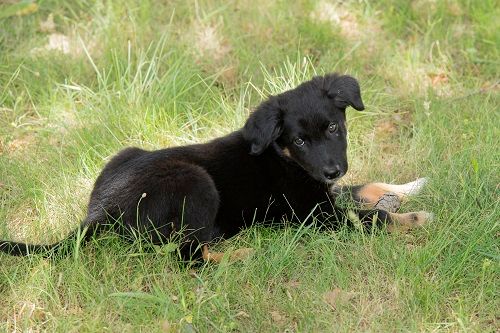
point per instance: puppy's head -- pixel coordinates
(308, 125)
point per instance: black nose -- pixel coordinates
(332, 173)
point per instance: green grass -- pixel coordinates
(151, 74)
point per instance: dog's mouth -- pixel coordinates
(327, 180)
(330, 175)
(332, 181)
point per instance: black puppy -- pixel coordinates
(280, 165)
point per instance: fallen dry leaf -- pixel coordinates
(293, 284)
(168, 327)
(386, 127)
(21, 144)
(48, 25)
(337, 297)
(455, 9)
(487, 86)
(229, 74)
(28, 9)
(74, 310)
(30, 310)
(192, 273)
(58, 42)
(277, 317)
(438, 79)
(236, 255)
(241, 254)
(242, 314)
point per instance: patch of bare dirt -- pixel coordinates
(419, 77)
(454, 8)
(461, 29)
(424, 7)
(26, 310)
(65, 44)
(64, 119)
(62, 207)
(59, 42)
(284, 321)
(21, 144)
(21, 222)
(48, 25)
(337, 296)
(349, 20)
(277, 317)
(210, 42)
(212, 50)
(71, 44)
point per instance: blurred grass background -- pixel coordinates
(79, 80)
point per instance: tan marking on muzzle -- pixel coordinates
(286, 152)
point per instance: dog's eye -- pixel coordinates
(333, 127)
(299, 141)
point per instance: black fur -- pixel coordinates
(213, 190)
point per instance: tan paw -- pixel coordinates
(407, 221)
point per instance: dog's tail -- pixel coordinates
(81, 235)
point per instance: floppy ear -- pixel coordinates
(263, 126)
(344, 90)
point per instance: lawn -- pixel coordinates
(80, 80)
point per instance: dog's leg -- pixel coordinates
(373, 192)
(407, 221)
(236, 255)
(381, 195)
(394, 221)
(185, 196)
